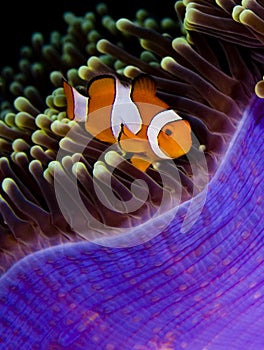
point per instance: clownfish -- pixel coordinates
(131, 115)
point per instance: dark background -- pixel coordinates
(18, 21)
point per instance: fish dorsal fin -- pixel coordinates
(101, 92)
(144, 90)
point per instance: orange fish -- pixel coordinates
(132, 115)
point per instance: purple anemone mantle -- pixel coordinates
(203, 289)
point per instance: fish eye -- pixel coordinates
(168, 132)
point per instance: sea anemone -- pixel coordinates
(186, 278)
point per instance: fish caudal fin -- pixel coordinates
(68, 90)
(77, 103)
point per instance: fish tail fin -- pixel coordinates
(69, 93)
(77, 104)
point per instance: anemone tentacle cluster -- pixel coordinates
(204, 71)
(198, 289)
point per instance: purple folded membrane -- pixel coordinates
(203, 289)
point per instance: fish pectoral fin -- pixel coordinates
(132, 145)
(140, 163)
(130, 142)
(127, 132)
